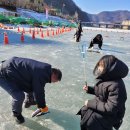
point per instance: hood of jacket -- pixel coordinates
(117, 71)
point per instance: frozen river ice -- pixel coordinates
(66, 97)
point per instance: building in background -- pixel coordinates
(126, 24)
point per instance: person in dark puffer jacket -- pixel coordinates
(78, 32)
(107, 109)
(19, 75)
(98, 39)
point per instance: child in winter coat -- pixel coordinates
(107, 109)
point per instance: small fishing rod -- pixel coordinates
(82, 49)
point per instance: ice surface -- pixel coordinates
(66, 97)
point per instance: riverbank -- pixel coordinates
(106, 29)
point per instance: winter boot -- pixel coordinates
(18, 117)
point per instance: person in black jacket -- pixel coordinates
(19, 75)
(98, 39)
(78, 34)
(107, 109)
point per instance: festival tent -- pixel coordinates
(18, 20)
(33, 21)
(4, 19)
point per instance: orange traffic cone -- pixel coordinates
(53, 33)
(56, 31)
(18, 29)
(23, 30)
(6, 40)
(37, 31)
(42, 35)
(33, 35)
(47, 32)
(30, 30)
(40, 29)
(22, 37)
(62, 29)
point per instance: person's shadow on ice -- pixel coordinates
(65, 120)
(33, 125)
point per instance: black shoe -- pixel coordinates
(27, 104)
(18, 118)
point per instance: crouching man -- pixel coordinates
(20, 75)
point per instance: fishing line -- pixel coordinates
(82, 49)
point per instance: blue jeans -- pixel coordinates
(16, 94)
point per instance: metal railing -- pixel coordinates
(105, 25)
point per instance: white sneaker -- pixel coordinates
(91, 48)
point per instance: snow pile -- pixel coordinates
(2, 10)
(34, 15)
(38, 16)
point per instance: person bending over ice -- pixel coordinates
(98, 39)
(107, 109)
(19, 75)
